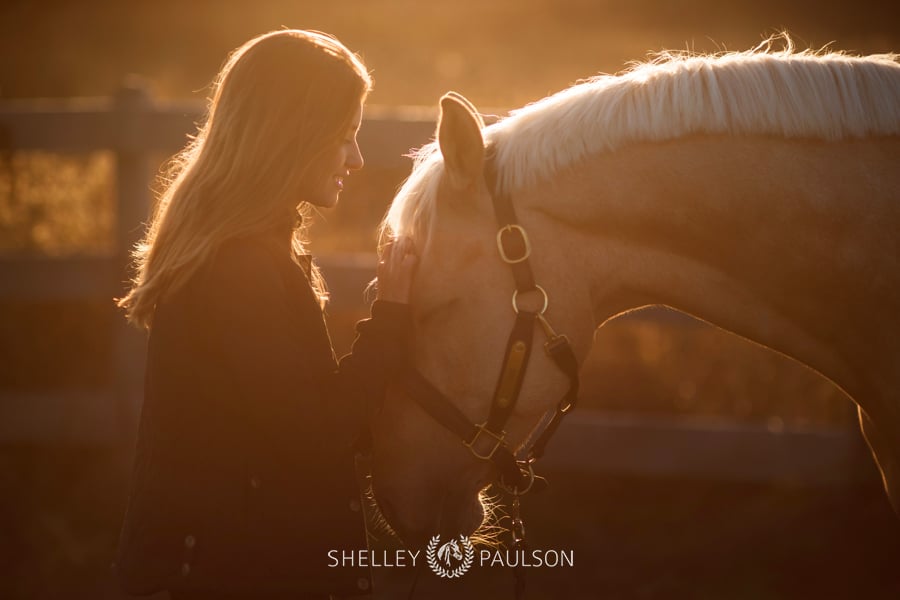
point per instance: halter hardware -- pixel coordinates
(506, 389)
(537, 288)
(524, 242)
(498, 441)
(527, 469)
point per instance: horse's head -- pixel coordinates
(425, 479)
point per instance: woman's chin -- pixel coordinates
(324, 200)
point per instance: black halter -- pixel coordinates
(487, 441)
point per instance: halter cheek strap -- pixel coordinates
(515, 250)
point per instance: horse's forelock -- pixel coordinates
(413, 207)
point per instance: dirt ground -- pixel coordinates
(631, 538)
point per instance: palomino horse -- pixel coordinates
(758, 191)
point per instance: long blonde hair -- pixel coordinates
(281, 101)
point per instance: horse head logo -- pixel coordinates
(442, 556)
(449, 549)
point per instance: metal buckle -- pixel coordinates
(497, 443)
(521, 231)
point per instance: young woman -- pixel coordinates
(244, 472)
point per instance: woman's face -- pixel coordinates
(327, 179)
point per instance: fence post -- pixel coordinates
(133, 179)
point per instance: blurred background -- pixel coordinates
(701, 466)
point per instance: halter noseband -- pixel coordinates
(487, 441)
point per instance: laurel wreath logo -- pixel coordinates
(439, 569)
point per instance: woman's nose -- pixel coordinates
(355, 160)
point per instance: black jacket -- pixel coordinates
(244, 474)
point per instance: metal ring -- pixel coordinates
(529, 470)
(515, 297)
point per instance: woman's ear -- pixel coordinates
(459, 137)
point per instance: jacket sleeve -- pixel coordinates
(380, 352)
(266, 346)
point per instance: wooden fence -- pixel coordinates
(135, 126)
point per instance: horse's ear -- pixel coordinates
(459, 136)
(465, 102)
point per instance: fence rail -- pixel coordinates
(132, 121)
(136, 127)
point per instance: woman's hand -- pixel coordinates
(395, 271)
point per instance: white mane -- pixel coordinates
(786, 93)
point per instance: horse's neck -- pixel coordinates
(791, 244)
